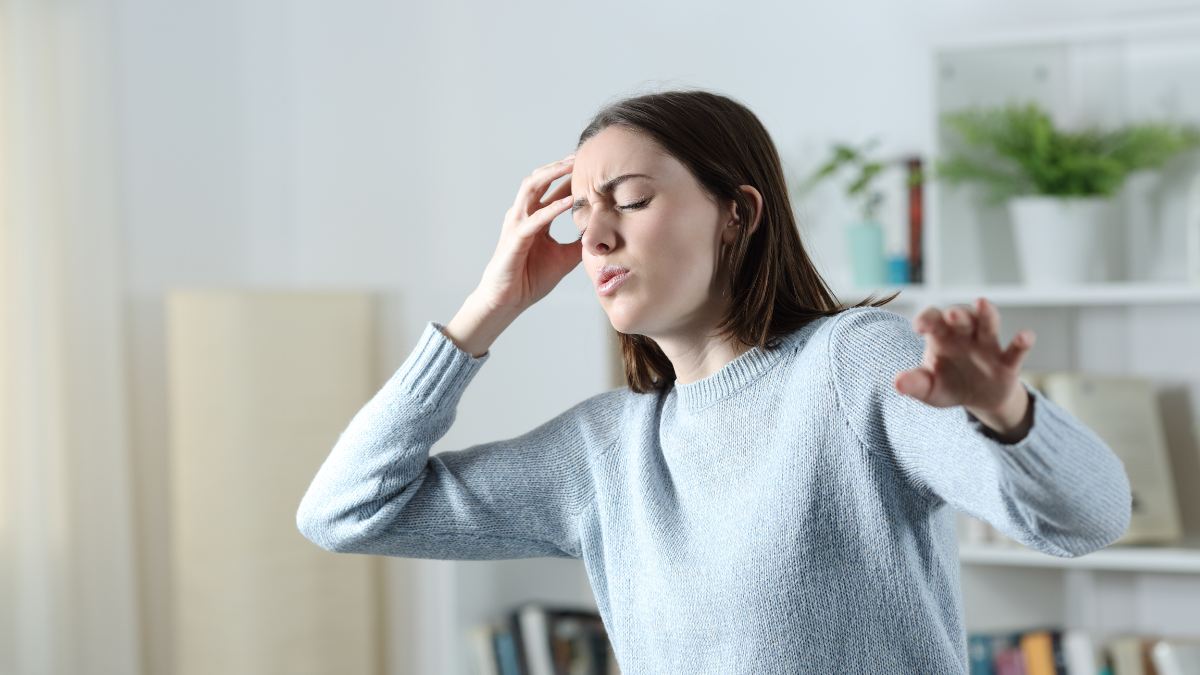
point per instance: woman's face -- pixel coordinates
(652, 237)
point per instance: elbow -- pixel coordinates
(1097, 523)
(321, 528)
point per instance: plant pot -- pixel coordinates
(1063, 240)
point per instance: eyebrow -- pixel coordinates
(609, 186)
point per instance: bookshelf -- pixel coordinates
(1144, 322)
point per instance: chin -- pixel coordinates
(624, 319)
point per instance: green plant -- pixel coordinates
(1016, 150)
(864, 171)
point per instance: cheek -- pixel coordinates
(679, 252)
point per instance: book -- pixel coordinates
(1123, 411)
(1009, 661)
(483, 650)
(916, 220)
(1037, 648)
(979, 654)
(508, 660)
(541, 640)
(1173, 657)
(1079, 653)
(1131, 656)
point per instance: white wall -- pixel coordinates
(377, 144)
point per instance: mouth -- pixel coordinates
(608, 278)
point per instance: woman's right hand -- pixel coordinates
(527, 265)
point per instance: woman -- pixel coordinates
(775, 490)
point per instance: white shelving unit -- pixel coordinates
(1147, 324)
(1110, 294)
(1115, 559)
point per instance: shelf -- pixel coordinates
(1125, 559)
(1013, 295)
(1113, 293)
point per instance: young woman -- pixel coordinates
(775, 490)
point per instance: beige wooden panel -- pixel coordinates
(260, 386)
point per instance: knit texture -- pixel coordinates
(791, 513)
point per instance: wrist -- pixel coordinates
(477, 325)
(1012, 420)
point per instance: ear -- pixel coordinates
(735, 221)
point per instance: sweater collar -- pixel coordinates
(740, 372)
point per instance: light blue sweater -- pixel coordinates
(791, 513)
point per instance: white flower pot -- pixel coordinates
(1062, 240)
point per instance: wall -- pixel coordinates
(376, 145)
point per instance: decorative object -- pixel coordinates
(1061, 240)
(866, 239)
(1059, 184)
(1193, 230)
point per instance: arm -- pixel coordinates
(1058, 489)
(380, 492)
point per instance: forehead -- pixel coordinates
(615, 151)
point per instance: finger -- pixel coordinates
(535, 184)
(529, 183)
(961, 320)
(546, 178)
(917, 383)
(1022, 342)
(540, 220)
(929, 321)
(568, 255)
(559, 191)
(989, 323)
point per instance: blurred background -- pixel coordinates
(208, 207)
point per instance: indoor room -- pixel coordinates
(821, 337)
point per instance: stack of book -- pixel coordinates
(540, 640)
(1054, 652)
(1039, 652)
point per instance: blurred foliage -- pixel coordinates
(1016, 150)
(863, 172)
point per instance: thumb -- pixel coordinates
(917, 383)
(569, 255)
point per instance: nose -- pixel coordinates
(600, 237)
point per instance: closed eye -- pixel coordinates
(635, 205)
(623, 207)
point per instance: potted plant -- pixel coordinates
(865, 237)
(1059, 185)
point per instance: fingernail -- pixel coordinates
(566, 200)
(569, 159)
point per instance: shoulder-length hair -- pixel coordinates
(775, 287)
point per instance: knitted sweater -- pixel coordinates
(791, 513)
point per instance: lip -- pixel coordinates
(608, 278)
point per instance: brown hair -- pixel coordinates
(775, 287)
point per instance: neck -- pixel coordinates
(699, 354)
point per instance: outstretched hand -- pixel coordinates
(965, 365)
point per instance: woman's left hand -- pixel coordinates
(965, 365)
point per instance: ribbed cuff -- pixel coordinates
(1039, 411)
(437, 371)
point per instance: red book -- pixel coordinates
(916, 220)
(1010, 662)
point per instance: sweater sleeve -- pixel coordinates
(380, 492)
(1060, 490)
